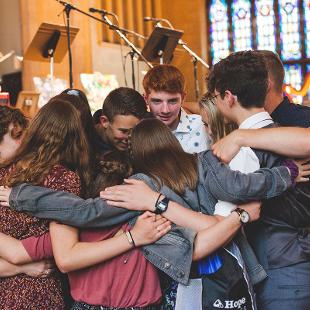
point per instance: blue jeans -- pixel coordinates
(286, 288)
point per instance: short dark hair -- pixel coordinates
(167, 78)
(275, 68)
(124, 101)
(244, 74)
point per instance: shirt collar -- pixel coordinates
(184, 124)
(257, 120)
(285, 104)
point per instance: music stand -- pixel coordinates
(160, 45)
(50, 44)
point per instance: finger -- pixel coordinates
(147, 214)
(116, 188)
(4, 204)
(160, 221)
(305, 173)
(133, 181)
(111, 196)
(119, 204)
(163, 226)
(304, 161)
(162, 232)
(302, 180)
(305, 166)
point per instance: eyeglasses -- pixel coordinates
(212, 98)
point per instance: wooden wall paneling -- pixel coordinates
(157, 8)
(120, 10)
(108, 35)
(129, 22)
(33, 13)
(189, 16)
(138, 11)
(147, 11)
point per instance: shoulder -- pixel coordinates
(63, 179)
(146, 179)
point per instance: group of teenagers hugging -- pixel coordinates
(148, 207)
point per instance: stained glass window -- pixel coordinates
(293, 76)
(282, 26)
(241, 18)
(219, 30)
(290, 32)
(265, 20)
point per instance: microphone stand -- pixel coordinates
(134, 51)
(68, 8)
(118, 30)
(195, 59)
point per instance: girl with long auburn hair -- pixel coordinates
(54, 153)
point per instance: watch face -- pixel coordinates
(244, 217)
(162, 206)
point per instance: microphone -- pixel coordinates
(152, 19)
(65, 4)
(104, 12)
(157, 21)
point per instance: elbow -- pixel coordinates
(16, 259)
(64, 264)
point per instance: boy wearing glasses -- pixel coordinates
(281, 239)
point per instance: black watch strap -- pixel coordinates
(161, 206)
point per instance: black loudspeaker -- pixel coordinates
(12, 83)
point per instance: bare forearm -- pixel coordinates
(188, 218)
(287, 141)
(7, 269)
(209, 240)
(71, 254)
(86, 254)
(12, 250)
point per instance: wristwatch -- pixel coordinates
(244, 216)
(161, 206)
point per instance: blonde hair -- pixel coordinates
(216, 123)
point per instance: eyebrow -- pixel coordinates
(170, 99)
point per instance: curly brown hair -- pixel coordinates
(55, 137)
(10, 115)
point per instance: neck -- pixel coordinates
(273, 99)
(243, 114)
(175, 124)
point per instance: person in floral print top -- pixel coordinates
(54, 153)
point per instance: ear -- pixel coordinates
(231, 99)
(146, 98)
(270, 84)
(183, 95)
(104, 121)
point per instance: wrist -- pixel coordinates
(156, 198)
(241, 138)
(130, 238)
(292, 168)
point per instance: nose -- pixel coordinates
(165, 108)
